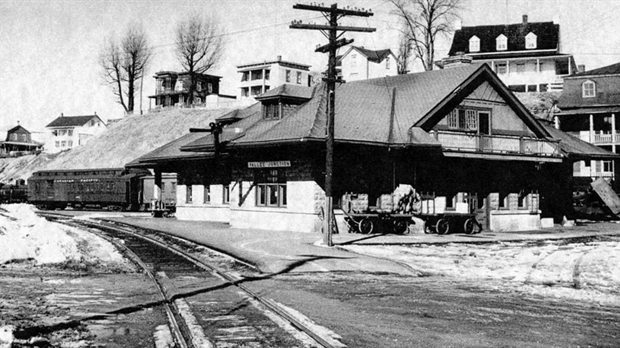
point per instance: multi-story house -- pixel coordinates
(359, 63)
(67, 132)
(258, 78)
(526, 56)
(590, 110)
(18, 142)
(172, 88)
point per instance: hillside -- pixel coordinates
(123, 142)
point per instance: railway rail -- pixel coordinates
(141, 241)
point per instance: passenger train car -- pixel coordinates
(113, 189)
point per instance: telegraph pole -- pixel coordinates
(330, 31)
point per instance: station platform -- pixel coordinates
(282, 251)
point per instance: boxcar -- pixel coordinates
(168, 191)
(113, 189)
(17, 193)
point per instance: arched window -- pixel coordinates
(530, 41)
(474, 44)
(501, 43)
(588, 89)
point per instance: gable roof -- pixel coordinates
(376, 56)
(547, 34)
(14, 129)
(72, 121)
(613, 69)
(388, 111)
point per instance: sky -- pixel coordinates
(49, 48)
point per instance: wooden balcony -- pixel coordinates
(497, 144)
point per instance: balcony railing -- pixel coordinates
(497, 144)
(162, 90)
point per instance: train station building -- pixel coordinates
(458, 136)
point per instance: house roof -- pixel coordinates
(613, 69)
(547, 34)
(277, 61)
(12, 130)
(288, 91)
(575, 147)
(389, 111)
(72, 121)
(176, 73)
(376, 56)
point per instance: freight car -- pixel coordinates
(17, 193)
(168, 192)
(112, 189)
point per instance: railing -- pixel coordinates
(603, 138)
(496, 144)
(162, 90)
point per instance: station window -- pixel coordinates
(163, 187)
(188, 194)
(271, 195)
(207, 194)
(225, 194)
(503, 200)
(173, 187)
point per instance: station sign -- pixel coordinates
(270, 164)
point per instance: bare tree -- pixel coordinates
(199, 47)
(424, 20)
(125, 63)
(404, 54)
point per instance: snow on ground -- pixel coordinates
(581, 271)
(26, 236)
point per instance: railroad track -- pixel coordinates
(145, 249)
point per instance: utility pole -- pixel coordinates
(330, 31)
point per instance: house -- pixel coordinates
(359, 63)
(258, 78)
(19, 142)
(526, 56)
(457, 135)
(173, 89)
(67, 132)
(590, 110)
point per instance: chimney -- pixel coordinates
(581, 68)
(524, 19)
(95, 113)
(62, 115)
(279, 58)
(459, 59)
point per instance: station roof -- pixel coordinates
(577, 148)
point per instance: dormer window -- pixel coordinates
(530, 41)
(588, 89)
(501, 43)
(272, 111)
(474, 44)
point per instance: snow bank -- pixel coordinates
(588, 271)
(26, 236)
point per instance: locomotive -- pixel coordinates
(17, 193)
(109, 188)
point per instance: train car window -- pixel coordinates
(37, 187)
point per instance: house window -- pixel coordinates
(588, 89)
(257, 74)
(288, 76)
(271, 195)
(520, 68)
(226, 194)
(501, 43)
(188, 194)
(387, 63)
(245, 92)
(608, 166)
(267, 73)
(271, 112)
(530, 41)
(209, 88)
(500, 68)
(207, 194)
(299, 77)
(468, 119)
(199, 86)
(244, 76)
(531, 88)
(256, 90)
(474, 44)
(70, 143)
(70, 132)
(57, 143)
(353, 60)
(63, 143)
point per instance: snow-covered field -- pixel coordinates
(26, 237)
(578, 271)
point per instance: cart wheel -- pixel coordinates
(400, 227)
(469, 226)
(365, 226)
(442, 227)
